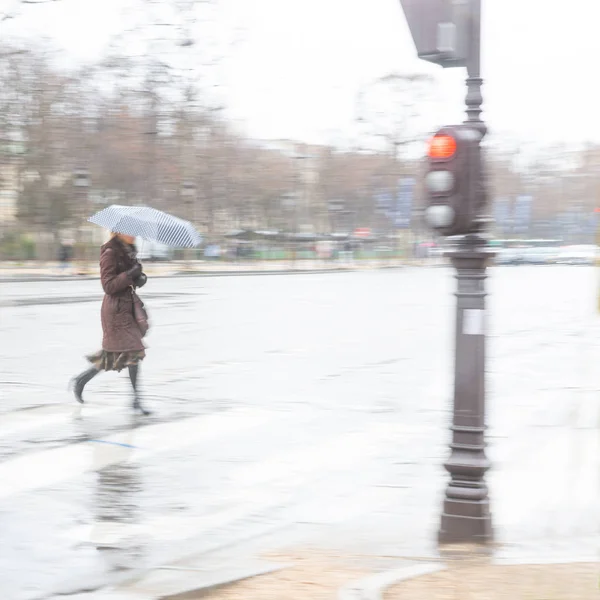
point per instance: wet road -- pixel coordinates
(294, 407)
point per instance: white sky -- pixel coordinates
(299, 64)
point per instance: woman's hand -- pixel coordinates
(135, 271)
(140, 281)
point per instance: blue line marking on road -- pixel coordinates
(113, 443)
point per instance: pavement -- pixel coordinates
(290, 412)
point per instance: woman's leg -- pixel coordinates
(81, 381)
(133, 376)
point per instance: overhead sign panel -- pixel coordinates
(440, 30)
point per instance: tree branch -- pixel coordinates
(11, 15)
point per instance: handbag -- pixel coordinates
(140, 314)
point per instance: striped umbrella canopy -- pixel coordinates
(149, 224)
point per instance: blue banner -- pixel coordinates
(384, 202)
(592, 224)
(404, 202)
(502, 214)
(522, 213)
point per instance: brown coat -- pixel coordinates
(120, 331)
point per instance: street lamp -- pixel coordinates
(81, 185)
(306, 178)
(336, 207)
(188, 193)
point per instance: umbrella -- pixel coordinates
(149, 224)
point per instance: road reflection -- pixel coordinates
(116, 529)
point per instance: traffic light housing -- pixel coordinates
(440, 30)
(454, 191)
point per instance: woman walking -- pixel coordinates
(122, 346)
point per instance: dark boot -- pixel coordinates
(79, 382)
(137, 405)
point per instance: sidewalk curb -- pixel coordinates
(207, 567)
(179, 584)
(549, 560)
(59, 278)
(51, 300)
(372, 587)
(6, 278)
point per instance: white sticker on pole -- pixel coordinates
(473, 321)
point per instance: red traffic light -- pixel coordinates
(441, 146)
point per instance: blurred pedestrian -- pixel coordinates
(122, 345)
(64, 256)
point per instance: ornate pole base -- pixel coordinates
(466, 514)
(466, 521)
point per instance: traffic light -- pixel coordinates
(453, 182)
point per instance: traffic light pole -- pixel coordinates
(466, 513)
